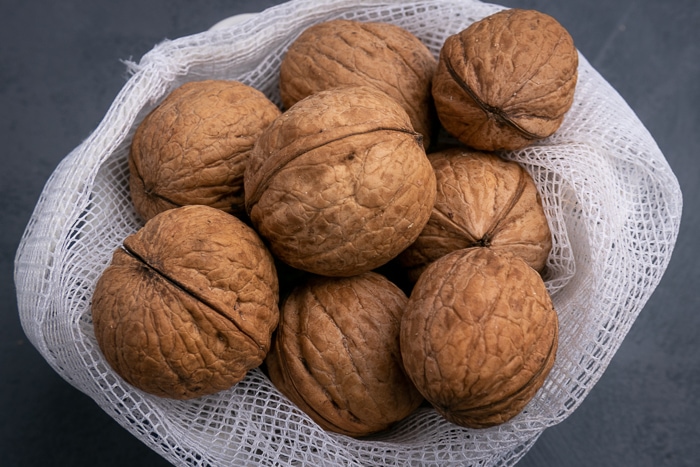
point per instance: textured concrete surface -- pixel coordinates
(60, 68)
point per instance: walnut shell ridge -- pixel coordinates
(340, 184)
(188, 304)
(482, 200)
(479, 336)
(506, 81)
(193, 147)
(336, 354)
(345, 52)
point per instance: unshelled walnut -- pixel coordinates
(482, 200)
(506, 81)
(193, 147)
(479, 336)
(336, 354)
(345, 52)
(188, 304)
(340, 184)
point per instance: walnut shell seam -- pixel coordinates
(485, 240)
(188, 291)
(498, 113)
(271, 166)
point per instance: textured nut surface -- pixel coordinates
(344, 52)
(188, 304)
(340, 184)
(506, 81)
(479, 336)
(336, 354)
(193, 148)
(482, 200)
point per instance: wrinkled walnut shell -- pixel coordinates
(479, 336)
(506, 81)
(336, 354)
(188, 304)
(352, 53)
(482, 200)
(193, 148)
(340, 184)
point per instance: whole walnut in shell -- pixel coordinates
(193, 147)
(353, 53)
(188, 304)
(336, 354)
(340, 184)
(506, 80)
(479, 336)
(482, 200)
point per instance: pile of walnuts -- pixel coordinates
(368, 267)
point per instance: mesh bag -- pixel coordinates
(613, 203)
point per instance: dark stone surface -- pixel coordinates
(60, 70)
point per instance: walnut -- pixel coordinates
(479, 336)
(344, 52)
(340, 184)
(193, 148)
(336, 354)
(506, 80)
(188, 304)
(482, 200)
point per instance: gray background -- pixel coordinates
(60, 69)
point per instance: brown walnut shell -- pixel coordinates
(345, 52)
(188, 304)
(193, 148)
(340, 184)
(482, 200)
(479, 336)
(506, 81)
(336, 354)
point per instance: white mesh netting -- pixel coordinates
(613, 203)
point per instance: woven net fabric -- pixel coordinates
(612, 201)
